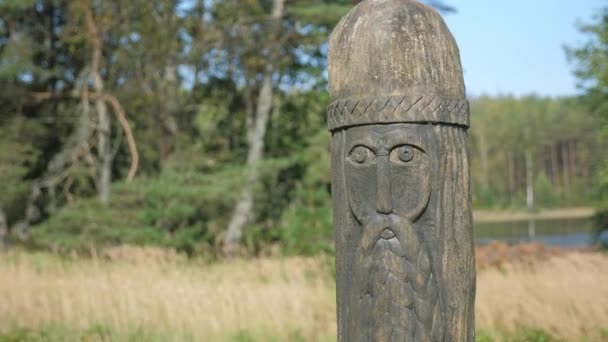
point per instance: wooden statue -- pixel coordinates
(400, 176)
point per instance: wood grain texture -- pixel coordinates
(400, 177)
(386, 47)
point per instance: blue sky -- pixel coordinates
(516, 47)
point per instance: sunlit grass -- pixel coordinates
(151, 292)
(566, 296)
(262, 297)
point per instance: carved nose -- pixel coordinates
(383, 195)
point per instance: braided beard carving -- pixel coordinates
(394, 292)
(397, 288)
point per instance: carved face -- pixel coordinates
(387, 174)
(401, 204)
(388, 170)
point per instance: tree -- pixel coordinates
(63, 72)
(256, 130)
(284, 31)
(227, 102)
(90, 32)
(591, 68)
(271, 72)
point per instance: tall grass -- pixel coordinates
(158, 292)
(566, 296)
(142, 290)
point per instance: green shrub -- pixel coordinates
(246, 336)
(17, 153)
(545, 192)
(307, 224)
(534, 335)
(600, 226)
(188, 207)
(524, 335)
(97, 332)
(177, 210)
(483, 336)
(307, 227)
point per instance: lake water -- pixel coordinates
(556, 232)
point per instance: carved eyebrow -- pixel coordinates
(415, 145)
(388, 138)
(409, 138)
(365, 142)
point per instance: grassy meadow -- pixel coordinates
(133, 294)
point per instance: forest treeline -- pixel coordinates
(200, 125)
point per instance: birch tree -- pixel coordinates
(257, 123)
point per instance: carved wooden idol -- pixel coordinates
(401, 197)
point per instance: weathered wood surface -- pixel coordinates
(400, 168)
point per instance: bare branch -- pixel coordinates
(120, 114)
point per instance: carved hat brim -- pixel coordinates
(397, 109)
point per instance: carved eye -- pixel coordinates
(361, 155)
(403, 154)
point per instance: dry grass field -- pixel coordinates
(566, 295)
(163, 294)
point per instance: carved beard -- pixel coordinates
(444, 228)
(398, 294)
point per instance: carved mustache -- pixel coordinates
(404, 245)
(381, 226)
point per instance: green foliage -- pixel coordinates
(246, 336)
(101, 332)
(188, 75)
(17, 156)
(307, 223)
(324, 13)
(534, 335)
(177, 210)
(524, 335)
(17, 58)
(96, 332)
(483, 336)
(83, 226)
(182, 209)
(503, 129)
(590, 68)
(600, 226)
(590, 64)
(546, 193)
(16, 4)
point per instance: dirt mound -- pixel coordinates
(496, 254)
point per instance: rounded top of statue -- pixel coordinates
(394, 61)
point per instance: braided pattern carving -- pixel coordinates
(400, 295)
(397, 108)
